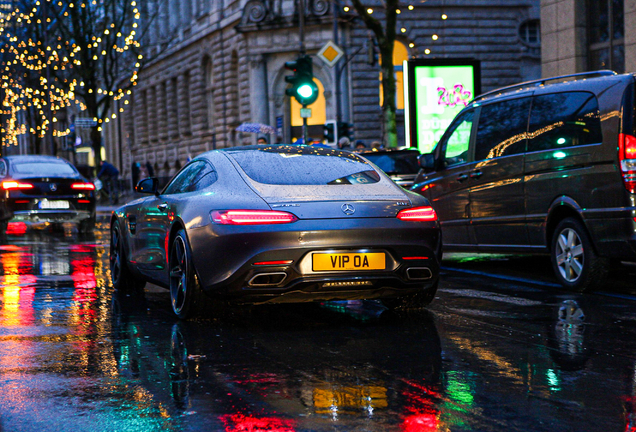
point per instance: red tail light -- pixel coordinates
(418, 214)
(83, 186)
(252, 217)
(627, 159)
(6, 185)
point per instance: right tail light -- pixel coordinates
(627, 160)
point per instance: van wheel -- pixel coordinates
(574, 260)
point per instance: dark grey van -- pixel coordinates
(547, 166)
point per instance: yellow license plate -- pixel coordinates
(349, 261)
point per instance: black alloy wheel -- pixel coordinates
(574, 260)
(121, 276)
(185, 292)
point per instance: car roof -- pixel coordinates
(594, 81)
(35, 159)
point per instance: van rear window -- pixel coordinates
(563, 120)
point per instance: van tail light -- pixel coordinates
(418, 214)
(7, 185)
(627, 160)
(83, 186)
(252, 217)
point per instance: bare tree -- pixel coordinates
(85, 53)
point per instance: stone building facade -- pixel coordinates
(586, 35)
(215, 64)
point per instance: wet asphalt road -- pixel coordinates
(501, 349)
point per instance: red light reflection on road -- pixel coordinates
(243, 423)
(16, 228)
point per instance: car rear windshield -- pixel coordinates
(44, 169)
(395, 162)
(304, 165)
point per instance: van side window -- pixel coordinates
(456, 145)
(502, 129)
(564, 119)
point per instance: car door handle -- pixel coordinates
(462, 178)
(162, 207)
(476, 174)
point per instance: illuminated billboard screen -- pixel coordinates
(436, 91)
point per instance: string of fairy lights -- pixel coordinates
(24, 62)
(403, 29)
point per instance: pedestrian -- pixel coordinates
(376, 145)
(360, 145)
(109, 175)
(344, 143)
(261, 140)
(150, 170)
(136, 170)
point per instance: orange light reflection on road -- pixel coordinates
(18, 290)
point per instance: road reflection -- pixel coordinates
(490, 355)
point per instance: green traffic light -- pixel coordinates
(305, 91)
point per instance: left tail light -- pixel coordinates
(83, 186)
(418, 214)
(627, 159)
(11, 184)
(251, 217)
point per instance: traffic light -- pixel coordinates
(303, 87)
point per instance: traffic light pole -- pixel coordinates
(305, 125)
(301, 25)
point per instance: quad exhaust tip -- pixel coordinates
(267, 279)
(419, 273)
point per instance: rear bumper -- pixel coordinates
(613, 232)
(226, 266)
(52, 216)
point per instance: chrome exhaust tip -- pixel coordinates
(419, 273)
(267, 279)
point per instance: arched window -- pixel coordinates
(318, 115)
(400, 53)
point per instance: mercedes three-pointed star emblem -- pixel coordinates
(348, 209)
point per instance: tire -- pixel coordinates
(418, 300)
(186, 295)
(121, 276)
(574, 260)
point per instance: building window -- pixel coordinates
(530, 32)
(400, 53)
(606, 35)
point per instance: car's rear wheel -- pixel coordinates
(121, 276)
(574, 260)
(417, 300)
(186, 294)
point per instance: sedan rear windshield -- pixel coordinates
(44, 169)
(304, 165)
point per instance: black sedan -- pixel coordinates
(400, 164)
(45, 189)
(276, 224)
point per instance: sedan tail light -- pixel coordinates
(418, 214)
(252, 217)
(6, 185)
(627, 159)
(83, 186)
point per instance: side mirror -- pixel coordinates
(426, 161)
(147, 186)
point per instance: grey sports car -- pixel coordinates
(276, 224)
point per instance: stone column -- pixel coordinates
(259, 98)
(563, 37)
(630, 35)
